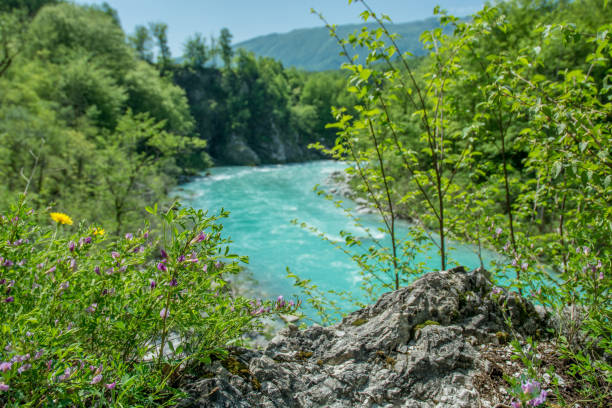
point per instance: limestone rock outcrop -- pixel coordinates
(416, 347)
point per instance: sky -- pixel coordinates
(251, 18)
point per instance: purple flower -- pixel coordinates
(163, 254)
(291, 304)
(96, 379)
(524, 266)
(123, 268)
(115, 254)
(205, 268)
(51, 270)
(5, 366)
(9, 299)
(38, 354)
(111, 385)
(153, 284)
(540, 399)
(146, 235)
(2, 281)
(29, 334)
(164, 313)
(23, 368)
(586, 250)
(218, 265)
(129, 236)
(162, 267)
(8, 263)
(601, 275)
(11, 284)
(97, 270)
(92, 308)
(173, 282)
(65, 285)
(529, 387)
(4, 387)
(181, 259)
(201, 237)
(71, 246)
(516, 404)
(496, 290)
(73, 264)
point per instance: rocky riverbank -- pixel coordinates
(425, 345)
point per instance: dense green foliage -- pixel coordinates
(314, 50)
(91, 321)
(500, 137)
(84, 123)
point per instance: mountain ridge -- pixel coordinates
(313, 49)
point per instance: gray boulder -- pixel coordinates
(416, 347)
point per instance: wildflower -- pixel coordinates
(529, 387)
(498, 232)
(516, 404)
(524, 266)
(115, 254)
(61, 218)
(9, 299)
(11, 284)
(205, 268)
(496, 290)
(586, 250)
(5, 366)
(39, 354)
(4, 387)
(71, 246)
(24, 368)
(291, 304)
(29, 334)
(540, 399)
(202, 237)
(181, 259)
(601, 275)
(129, 236)
(123, 268)
(146, 235)
(65, 285)
(51, 270)
(162, 267)
(218, 265)
(111, 385)
(173, 282)
(164, 313)
(49, 364)
(92, 308)
(153, 284)
(99, 231)
(97, 270)
(96, 379)
(87, 240)
(73, 264)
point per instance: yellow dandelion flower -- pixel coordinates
(61, 218)
(98, 231)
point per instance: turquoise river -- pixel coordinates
(263, 201)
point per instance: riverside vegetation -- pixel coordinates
(499, 137)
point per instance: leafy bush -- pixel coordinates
(90, 321)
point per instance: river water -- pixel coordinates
(263, 201)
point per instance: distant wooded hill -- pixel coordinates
(313, 49)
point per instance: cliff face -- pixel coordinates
(419, 346)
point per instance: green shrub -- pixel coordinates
(84, 318)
